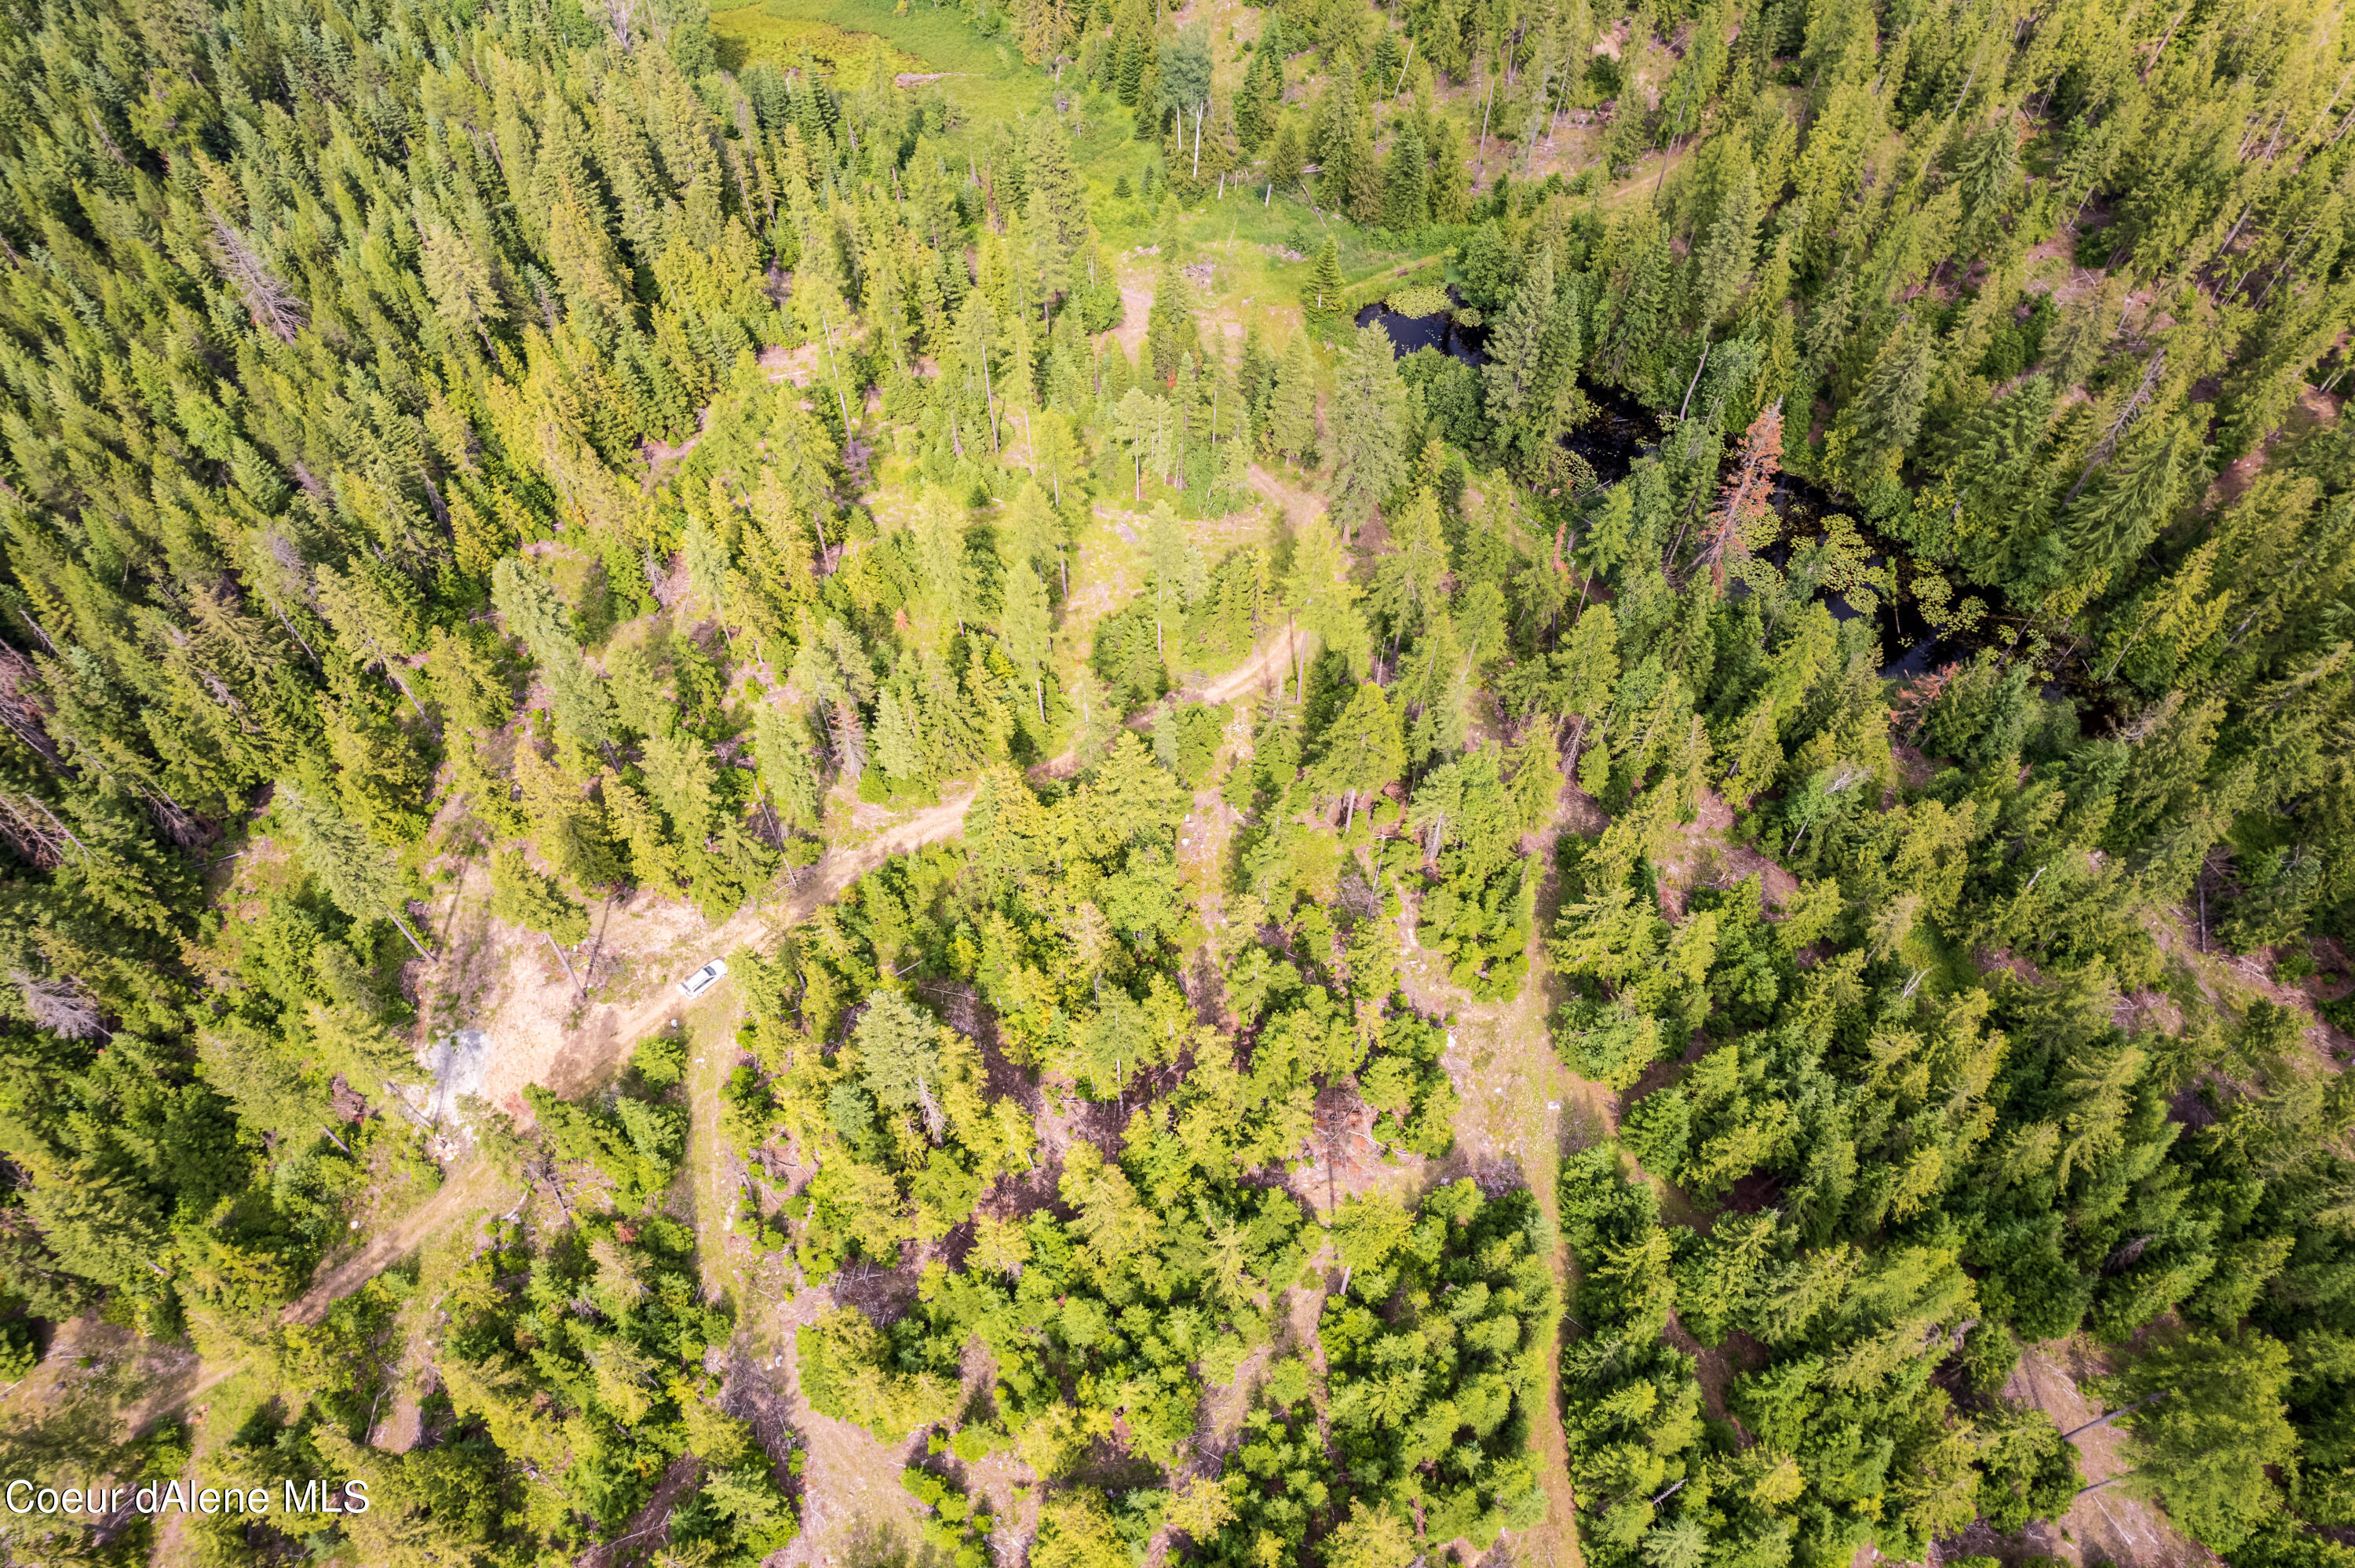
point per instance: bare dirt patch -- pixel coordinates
(1705, 858)
(2313, 408)
(1346, 1163)
(798, 365)
(2238, 978)
(1296, 501)
(546, 1026)
(660, 457)
(2109, 1525)
(540, 1026)
(1135, 306)
(97, 1385)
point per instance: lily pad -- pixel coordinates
(1423, 300)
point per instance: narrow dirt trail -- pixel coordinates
(474, 1186)
(1264, 668)
(1521, 1108)
(1299, 503)
(143, 1418)
(820, 885)
(651, 1523)
(712, 1175)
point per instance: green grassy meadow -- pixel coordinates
(1251, 240)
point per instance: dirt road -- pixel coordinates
(715, 1179)
(608, 1031)
(1265, 668)
(1521, 1108)
(621, 1026)
(473, 1186)
(612, 1030)
(752, 927)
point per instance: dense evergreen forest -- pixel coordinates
(1781, 573)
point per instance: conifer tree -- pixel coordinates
(781, 507)
(788, 772)
(1590, 669)
(460, 281)
(1178, 572)
(1027, 629)
(1406, 198)
(522, 896)
(1410, 582)
(898, 746)
(373, 614)
(655, 859)
(1516, 348)
(1451, 183)
(1745, 519)
(1058, 209)
(708, 569)
(1363, 750)
(1357, 184)
(678, 771)
(1536, 787)
(1287, 158)
(532, 610)
(1322, 596)
(1291, 407)
(357, 874)
(2206, 1417)
(317, 330)
(1332, 140)
(566, 827)
(1170, 335)
(1987, 177)
(1260, 101)
(588, 268)
(1757, 759)
(1368, 424)
(2135, 497)
(1722, 263)
(1880, 425)
(1324, 295)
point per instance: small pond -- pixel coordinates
(1441, 332)
(1623, 430)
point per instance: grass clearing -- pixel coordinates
(751, 36)
(1259, 248)
(986, 76)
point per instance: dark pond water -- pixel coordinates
(1621, 431)
(1441, 332)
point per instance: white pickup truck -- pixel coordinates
(704, 979)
